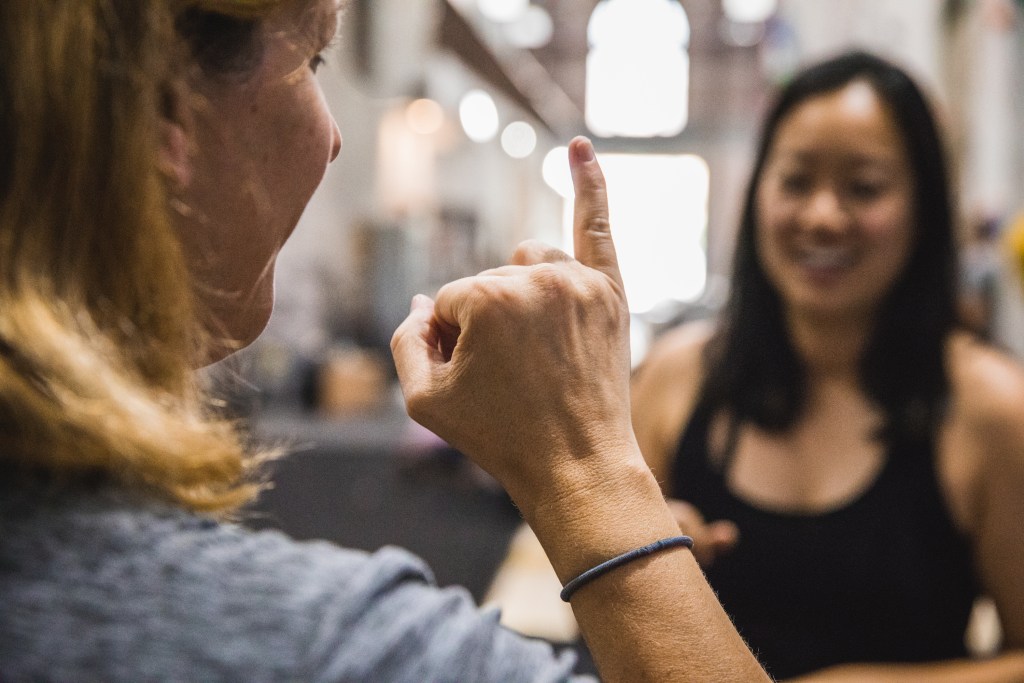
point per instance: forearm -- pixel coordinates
(1006, 668)
(666, 623)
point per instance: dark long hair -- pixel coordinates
(754, 371)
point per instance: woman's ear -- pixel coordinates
(175, 155)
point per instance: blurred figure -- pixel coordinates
(850, 463)
(979, 278)
(1011, 292)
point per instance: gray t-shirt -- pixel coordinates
(101, 586)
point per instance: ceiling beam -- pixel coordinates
(522, 79)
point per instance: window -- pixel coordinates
(659, 212)
(638, 68)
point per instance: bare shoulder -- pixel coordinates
(988, 405)
(985, 456)
(680, 345)
(676, 358)
(664, 389)
(987, 384)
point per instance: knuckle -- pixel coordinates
(489, 301)
(445, 291)
(548, 275)
(527, 248)
(483, 295)
(597, 224)
(556, 284)
(521, 254)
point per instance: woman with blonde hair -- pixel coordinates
(154, 157)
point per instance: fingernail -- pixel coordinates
(584, 150)
(417, 302)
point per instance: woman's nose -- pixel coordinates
(825, 211)
(335, 139)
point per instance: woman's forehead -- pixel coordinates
(853, 119)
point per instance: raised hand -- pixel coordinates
(525, 368)
(710, 539)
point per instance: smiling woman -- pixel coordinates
(836, 407)
(818, 187)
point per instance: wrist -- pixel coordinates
(602, 507)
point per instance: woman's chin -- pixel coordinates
(234, 329)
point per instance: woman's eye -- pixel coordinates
(316, 62)
(866, 190)
(795, 183)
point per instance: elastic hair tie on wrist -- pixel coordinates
(608, 565)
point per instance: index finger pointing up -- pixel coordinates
(592, 237)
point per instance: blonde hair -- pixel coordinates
(99, 323)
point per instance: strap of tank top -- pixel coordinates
(697, 436)
(723, 461)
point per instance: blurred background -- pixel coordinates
(455, 115)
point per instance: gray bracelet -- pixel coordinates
(605, 567)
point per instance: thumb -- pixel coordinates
(592, 237)
(723, 534)
(415, 347)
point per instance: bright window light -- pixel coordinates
(638, 23)
(619, 101)
(519, 139)
(749, 11)
(658, 207)
(638, 68)
(479, 116)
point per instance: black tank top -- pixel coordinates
(883, 578)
